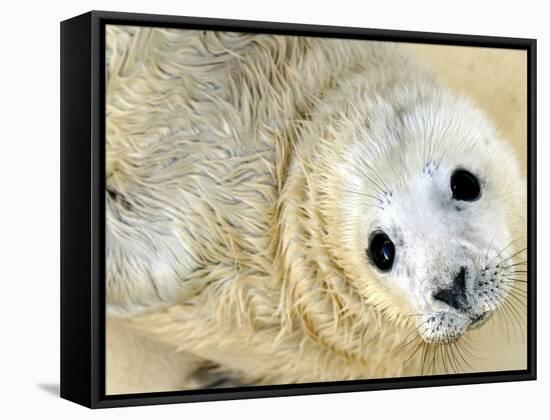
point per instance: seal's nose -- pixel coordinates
(454, 296)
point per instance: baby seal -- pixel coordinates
(298, 209)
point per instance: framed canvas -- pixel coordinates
(254, 209)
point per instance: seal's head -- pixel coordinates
(430, 213)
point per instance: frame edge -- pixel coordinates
(76, 188)
(87, 389)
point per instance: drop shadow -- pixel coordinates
(52, 389)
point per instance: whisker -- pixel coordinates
(501, 251)
(415, 351)
(490, 245)
(401, 348)
(513, 265)
(468, 348)
(457, 366)
(512, 256)
(362, 172)
(449, 368)
(433, 365)
(520, 299)
(515, 315)
(364, 195)
(508, 321)
(460, 346)
(445, 357)
(425, 354)
(515, 289)
(513, 280)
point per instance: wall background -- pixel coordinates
(29, 222)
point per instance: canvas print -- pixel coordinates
(284, 209)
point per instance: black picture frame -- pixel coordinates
(83, 201)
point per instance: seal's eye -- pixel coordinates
(381, 251)
(465, 186)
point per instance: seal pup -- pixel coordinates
(298, 209)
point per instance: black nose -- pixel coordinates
(455, 295)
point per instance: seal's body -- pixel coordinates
(300, 209)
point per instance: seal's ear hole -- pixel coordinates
(381, 251)
(465, 186)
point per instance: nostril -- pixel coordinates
(460, 279)
(449, 297)
(454, 296)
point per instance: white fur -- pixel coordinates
(245, 175)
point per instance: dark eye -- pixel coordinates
(465, 186)
(381, 251)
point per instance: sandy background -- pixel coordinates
(496, 80)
